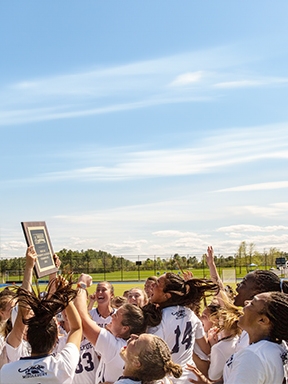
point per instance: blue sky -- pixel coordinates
(144, 128)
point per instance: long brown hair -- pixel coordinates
(42, 329)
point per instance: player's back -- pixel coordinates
(178, 328)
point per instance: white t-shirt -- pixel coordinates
(259, 363)
(180, 327)
(111, 364)
(198, 351)
(24, 349)
(243, 341)
(48, 369)
(85, 372)
(14, 354)
(220, 353)
(101, 321)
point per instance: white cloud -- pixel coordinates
(13, 245)
(163, 211)
(212, 154)
(239, 84)
(187, 79)
(177, 234)
(126, 247)
(252, 228)
(74, 111)
(127, 86)
(264, 211)
(257, 187)
(256, 82)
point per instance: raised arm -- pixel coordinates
(30, 258)
(16, 335)
(91, 329)
(212, 267)
(75, 333)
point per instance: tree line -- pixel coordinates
(92, 261)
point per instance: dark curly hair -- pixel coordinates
(187, 292)
(268, 281)
(183, 292)
(276, 309)
(42, 329)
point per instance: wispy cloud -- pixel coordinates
(12, 245)
(252, 228)
(248, 83)
(259, 186)
(23, 116)
(226, 149)
(173, 233)
(239, 84)
(126, 247)
(143, 84)
(268, 211)
(187, 79)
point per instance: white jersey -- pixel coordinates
(111, 364)
(48, 369)
(243, 341)
(85, 372)
(14, 354)
(101, 321)
(259, 363)
(24, 349)
(88, 361)
(220, 353)
(198, 351)
(180, 327)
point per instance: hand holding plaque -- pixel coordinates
(36, 234)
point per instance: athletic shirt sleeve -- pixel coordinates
(14, 354)
(111, 364)
(69, 357)
(199, 329)
(256, 364)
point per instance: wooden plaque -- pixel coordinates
(36, 234)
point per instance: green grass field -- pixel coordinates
(123, 280)
(119, 288)
(138, 275)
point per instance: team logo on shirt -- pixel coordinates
(179, 314)
(33, 371)
(230, 360)
(284, 357)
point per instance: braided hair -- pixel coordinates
(276, 309)
(156, 362)
(268, 281)
(42, 328)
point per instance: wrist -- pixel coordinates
(82, 285)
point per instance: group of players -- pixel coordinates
(144, 336)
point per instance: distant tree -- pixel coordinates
(242, 255)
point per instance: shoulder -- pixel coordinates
(264, 351)
(178, 312)
(108, 341)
